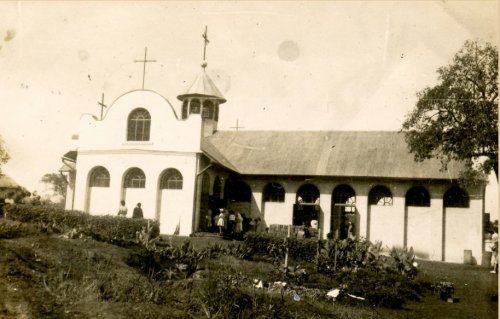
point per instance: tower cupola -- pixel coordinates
(202, 97)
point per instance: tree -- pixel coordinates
(4, 155)
(57, 183)
(458, 118)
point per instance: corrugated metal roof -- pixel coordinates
(7, 182)
(322, 153)
(203, 86)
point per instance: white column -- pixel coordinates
(325, 218)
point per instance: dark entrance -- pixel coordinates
(306, 207)
(343, 212)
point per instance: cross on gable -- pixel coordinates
(102, 104)
(237, 127)
(144, 68)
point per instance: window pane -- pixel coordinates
(138, 126)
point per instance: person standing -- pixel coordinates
(137, 211)
(220, 222)
(231, 222)
(239, 223)
(494, 255)
(122, 210)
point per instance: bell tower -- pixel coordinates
(203, 97)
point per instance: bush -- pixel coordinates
(275, 246)
(14, 229)
(103, 228)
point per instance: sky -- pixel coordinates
(326, 65)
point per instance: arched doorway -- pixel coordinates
(134, 189)
(98, 192)
(205, 221)
(306, 207)
(344, 211)
(171, 183)
(238, 196)
(381, 216)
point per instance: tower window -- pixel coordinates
(208, 110)
(135, 178)
(194, 107)
(184, 109)
(139, 125)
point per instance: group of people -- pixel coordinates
(234, 224)
(137, 213)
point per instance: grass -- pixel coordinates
(47, 276)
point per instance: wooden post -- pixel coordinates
(286, 254)
(317, 247)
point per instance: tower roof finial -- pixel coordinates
(205, 43)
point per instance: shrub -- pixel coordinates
(275, 246)
(104, 228)
(14, 229)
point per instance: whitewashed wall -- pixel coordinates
(173, 144)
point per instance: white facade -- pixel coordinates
(173, 143)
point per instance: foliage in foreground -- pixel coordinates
(359, 267)
(50, 218)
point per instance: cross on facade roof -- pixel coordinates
(237, 127)
(102, 104)
(144, 68)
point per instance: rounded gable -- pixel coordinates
(146, 99)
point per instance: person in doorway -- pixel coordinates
(137, 211)
(231, 222)
(239, 224)
(350, 230)
(220, 221)
(122, 210)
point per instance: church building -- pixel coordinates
(183, 169)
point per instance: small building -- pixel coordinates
(8, 187)
(183, 169)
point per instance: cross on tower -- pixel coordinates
(102, 104)
(237, 127)
(144, 61)
(205, 40)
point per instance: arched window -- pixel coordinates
(456, 197)
(418, 196)
(274, 192)
(308, 193)
(135, 178)
(208, 110)
(194, 107)
(139, 125)
(171, 179)
(345, 195)
(238, 191)
(99, 177)
(380, 196)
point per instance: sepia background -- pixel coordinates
(327, 65)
